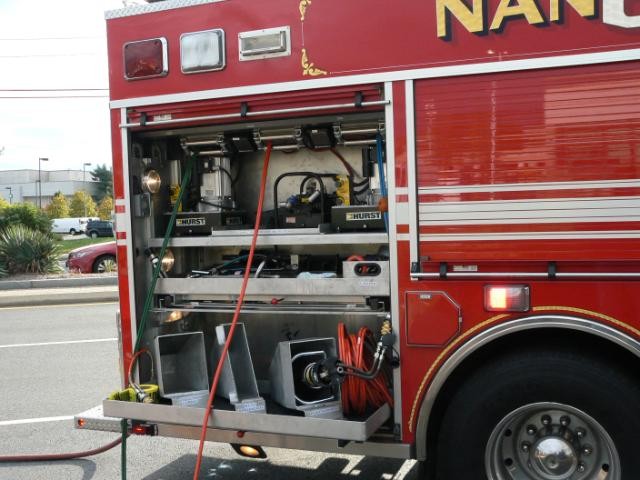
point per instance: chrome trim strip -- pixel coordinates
(400, 75)
(412, 177)
(514, 236)
(487, 336)
(128, 228)
(256, 114)
(525, 187)
(393, 243)
(529, 274)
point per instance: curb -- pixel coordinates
(59, 283)
(59, 296)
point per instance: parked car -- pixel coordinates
(70, 225)
(99, 228)
(99, 258)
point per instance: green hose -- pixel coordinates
(186, 178)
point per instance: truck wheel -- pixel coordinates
(72, 231)
(94, 234)
(105, 264)
(542, 415)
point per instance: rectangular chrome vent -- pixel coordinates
(268, 43)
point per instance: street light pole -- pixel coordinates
(84, 184)
(10, 195)
(40, 160)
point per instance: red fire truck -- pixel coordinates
(419, 222)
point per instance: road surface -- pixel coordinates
(61, 360)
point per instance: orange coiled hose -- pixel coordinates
(359, 394)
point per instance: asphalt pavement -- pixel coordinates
(59, 360)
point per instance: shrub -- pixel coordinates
(24, 250)
(24, 214)
(3, 269)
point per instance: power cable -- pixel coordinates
(53, 89)
(41, 55)
(37, 39)
(41, 97)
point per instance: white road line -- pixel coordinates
(44, 344)
(24, 421)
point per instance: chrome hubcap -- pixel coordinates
(551, 441)
(553, 457)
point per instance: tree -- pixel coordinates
(82, 205)
(3, 204)
(59, 206)
(105, 208)
(105, 181)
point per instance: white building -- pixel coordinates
(24, 184)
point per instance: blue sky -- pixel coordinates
(61, 45)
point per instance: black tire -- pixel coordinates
(93, 234)
(519, 380)
(72, 231)
(99, 264)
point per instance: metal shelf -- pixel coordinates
(331, 288)
(299, 236)
(353, 430)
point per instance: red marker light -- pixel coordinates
(139, 430)
(145, 59)
(506, 298)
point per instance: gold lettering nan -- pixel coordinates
(471, 18)
(586, 8)
(528, 8)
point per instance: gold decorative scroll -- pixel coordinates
(303, 8)
(308, 67)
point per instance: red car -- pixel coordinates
(99, 258)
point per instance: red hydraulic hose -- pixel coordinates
(357, 393)
(236, 313)
(60, 456)
(70, 456)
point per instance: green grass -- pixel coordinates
(67, 245)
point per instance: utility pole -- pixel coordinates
(40, 160)
(84, 184)
(10, 195)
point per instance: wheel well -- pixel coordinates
(548, 338)
(101, 257)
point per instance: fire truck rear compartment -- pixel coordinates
(322, 259)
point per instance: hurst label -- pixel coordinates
(191, 222)
(363, 216)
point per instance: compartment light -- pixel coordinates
(151, 181)
(507, 298)
(251, 451)
(202, 51)
(168, 261)
(145, 59)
